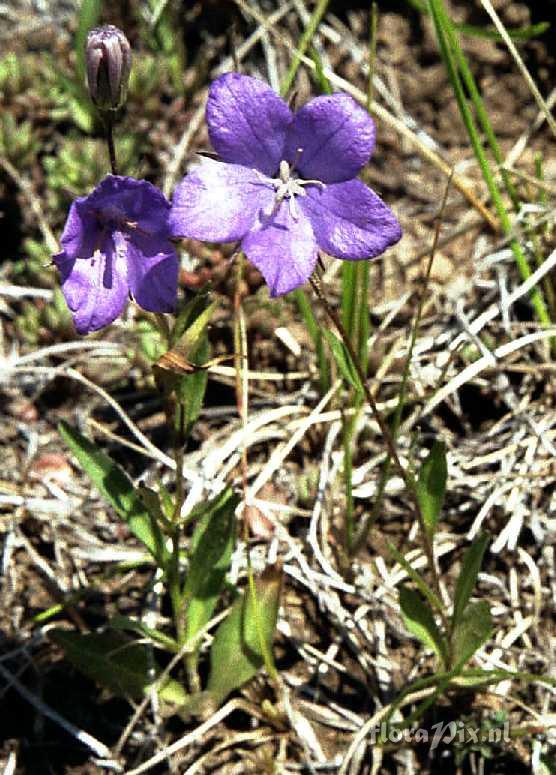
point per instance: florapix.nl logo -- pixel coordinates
(442, 733)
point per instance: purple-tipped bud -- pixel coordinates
(108, 55)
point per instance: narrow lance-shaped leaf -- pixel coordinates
(343, 361)
(191, 388)
(180, 370)
(116, 661)
(431, 486)
(472, 629)
(236, 653)
(151, 500)
(158, 638)
(114, 485)
(419, 620)
(212, 546)
(192, 320)
(468, 576)
(427, 592)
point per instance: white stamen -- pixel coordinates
(288, 187)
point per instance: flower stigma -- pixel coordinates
(287, 186)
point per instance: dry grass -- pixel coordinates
(482, 380)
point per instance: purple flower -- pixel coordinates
(115, 243)
(286, 185)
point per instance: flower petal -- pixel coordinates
(283, 248)
(247, 122)
(81, 230)
(95, 288)
(152, 272)
(349, 220)
(218, 202)
(132, 200)
(336, 135)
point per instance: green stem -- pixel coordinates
(347, 432)
(362, 281)
(389, 441)
(179, 606)
(109, 122)
(385, 474)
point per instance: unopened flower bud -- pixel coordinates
(108, 56)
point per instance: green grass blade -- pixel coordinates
(444, 33)
(318, 75)
(304, 44)
(489, 32)
(480, 109)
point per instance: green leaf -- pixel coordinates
(191, 388)
(81, 115)
(211, 551)
(189, 348)
(166, 502)
(236, 653)
(419, 620)
(318, 75)
(158, 638)
(473, 628)
(114, 485)
(173, 693)
(547, 766)
(192, 320)
(115, 661)
(414, 576)
(343, 360)
(468, 576)
(431, 486)
(151, 500)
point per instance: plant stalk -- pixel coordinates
(109, 124)
(389, 441)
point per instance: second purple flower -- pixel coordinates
(116, 244)
(286, 184)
